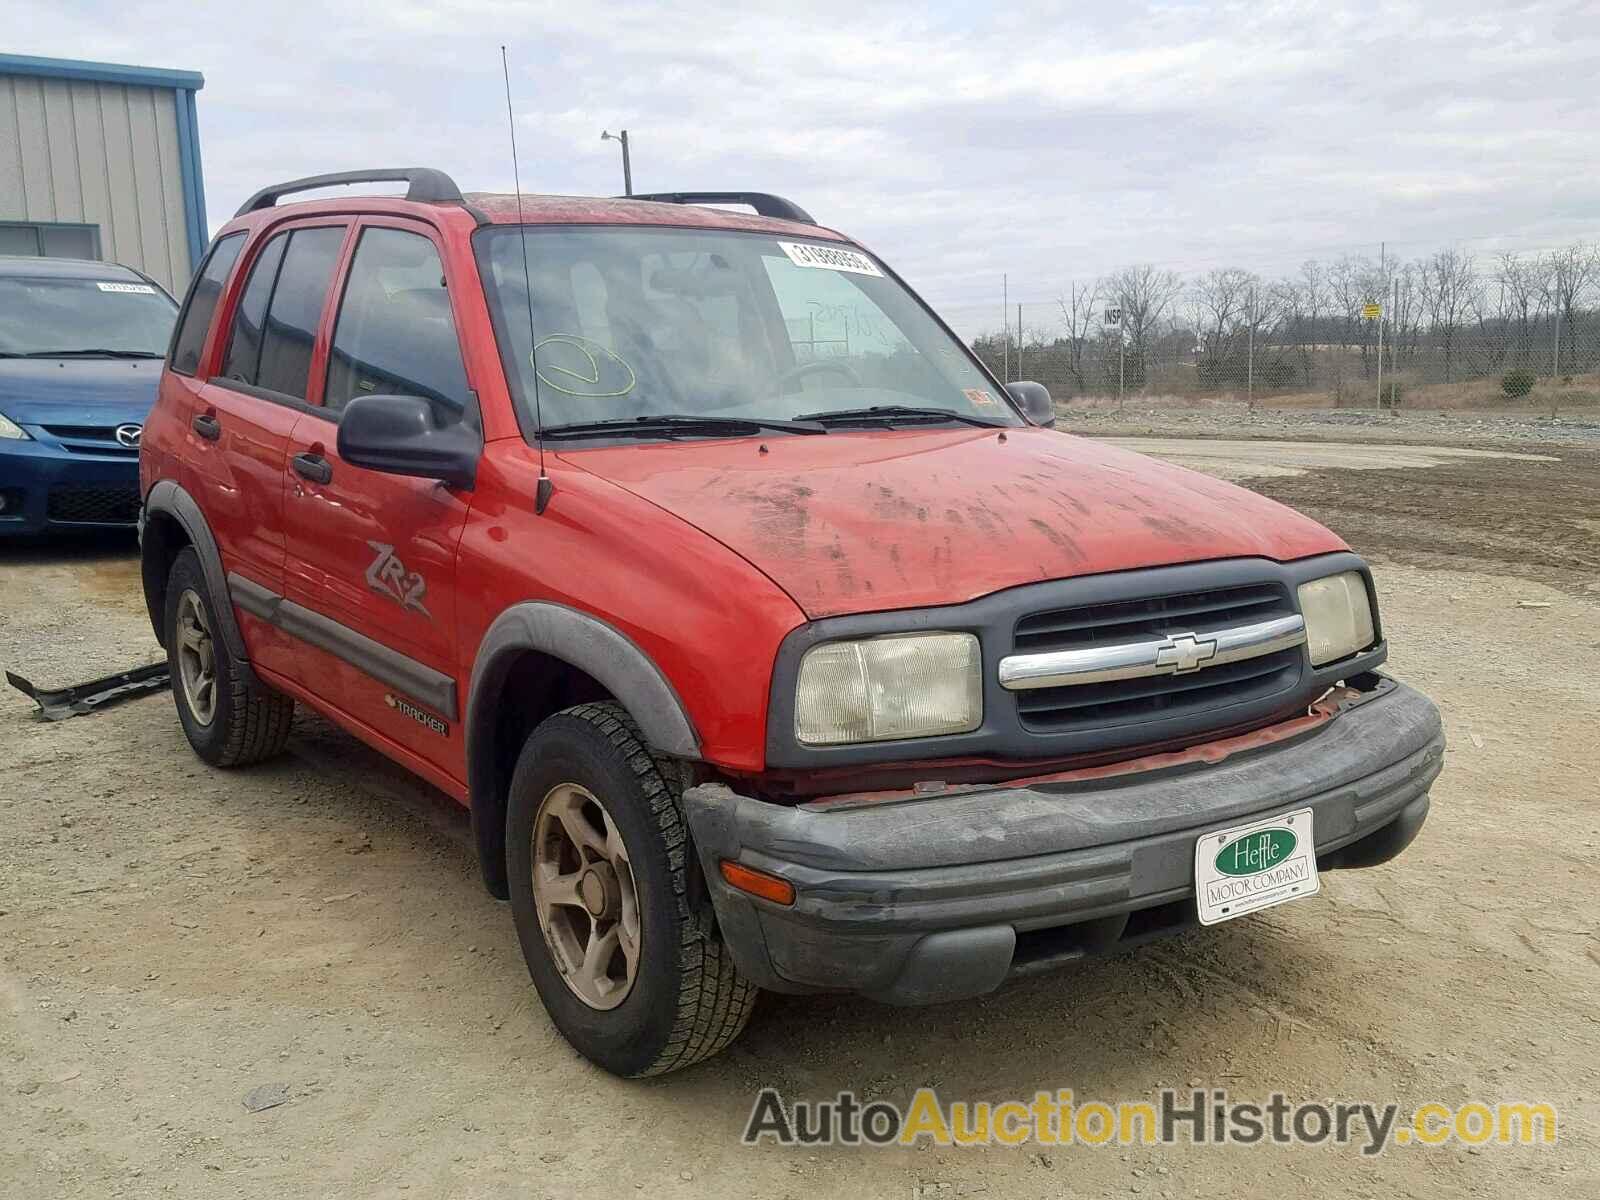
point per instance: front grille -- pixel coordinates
(91, 439)
(98, 506)
(1092, 706)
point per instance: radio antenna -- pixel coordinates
(544, 489)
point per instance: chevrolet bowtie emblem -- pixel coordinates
(1183, 652)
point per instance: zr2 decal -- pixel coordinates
(388, 575)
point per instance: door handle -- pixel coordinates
(313, 467)
(207, 426)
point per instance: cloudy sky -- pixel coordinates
(1046, 142)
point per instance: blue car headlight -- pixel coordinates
(10, 431)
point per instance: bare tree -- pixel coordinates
(1350, 284)
(1524, 288)
(1080, 308)
(1570, 276)
(1219, 300)
(1450, 288)
(1305, 302)
(1145, 293)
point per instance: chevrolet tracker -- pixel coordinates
(771, 641)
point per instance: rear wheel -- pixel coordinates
(616, 927)
(230, 718)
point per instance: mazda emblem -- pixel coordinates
(128, 436)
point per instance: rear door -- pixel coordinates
(373, 555)
(243, 415)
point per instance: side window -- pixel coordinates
(244, 343)
(296, 307)
(395, 334)
(201, 304)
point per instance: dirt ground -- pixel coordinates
(172, 937)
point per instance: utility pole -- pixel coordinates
(627, 165)
(1019, 341)
(1250, 355)
(1383, 248)
(1005, 329)
(1122, 356)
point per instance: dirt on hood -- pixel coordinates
(867, 521)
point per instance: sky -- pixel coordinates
(1041, 143)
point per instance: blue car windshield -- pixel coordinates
(40, 317)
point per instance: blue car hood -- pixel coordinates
(78, 391)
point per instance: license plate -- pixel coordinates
(1251, 867)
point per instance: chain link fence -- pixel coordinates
(1447, 329)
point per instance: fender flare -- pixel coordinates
(605, 653)
(169, 498)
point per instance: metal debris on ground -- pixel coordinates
(83, 698)
(265, 1096)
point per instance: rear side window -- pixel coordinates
(276, 320)
(395, 334)
(244, 346)
(296, 308)
(201, 304)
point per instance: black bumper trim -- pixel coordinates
(874, 883)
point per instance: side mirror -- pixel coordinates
(1034, 400)
(398, 434)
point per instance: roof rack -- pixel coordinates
(428, 186)
(765, 203)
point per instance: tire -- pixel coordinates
(247, 721)
(686, 1000)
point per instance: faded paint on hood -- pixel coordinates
(867, 521)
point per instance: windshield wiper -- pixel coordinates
(673, 425)
(93, 352)
(895, 414)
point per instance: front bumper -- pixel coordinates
(43, 488)
(946, 896)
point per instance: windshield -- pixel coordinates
(635, 323)
(45, 316)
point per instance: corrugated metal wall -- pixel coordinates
(103, 154)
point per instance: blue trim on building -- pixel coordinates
(194, 192)
(184, 85)
(99, 72)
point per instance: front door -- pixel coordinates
(372, 555)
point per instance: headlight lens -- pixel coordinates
(905, 686)
(1338, 616)
(10, 431)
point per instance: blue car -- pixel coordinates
(81, 345)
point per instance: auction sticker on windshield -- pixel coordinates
(830, 258)
(1251, 867)
(132, 289)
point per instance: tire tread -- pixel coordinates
(714, 999)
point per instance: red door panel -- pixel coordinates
(376, 554)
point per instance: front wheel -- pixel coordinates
(617, 932)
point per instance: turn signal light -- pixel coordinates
(758, 883)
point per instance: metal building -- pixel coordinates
(101, 161)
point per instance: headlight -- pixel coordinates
(1338, 616)
(904, 686)
(10, 431)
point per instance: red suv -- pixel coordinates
(771, 641)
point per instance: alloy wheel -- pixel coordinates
(583, 891)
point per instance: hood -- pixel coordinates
(866, 521)
(78, 391)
